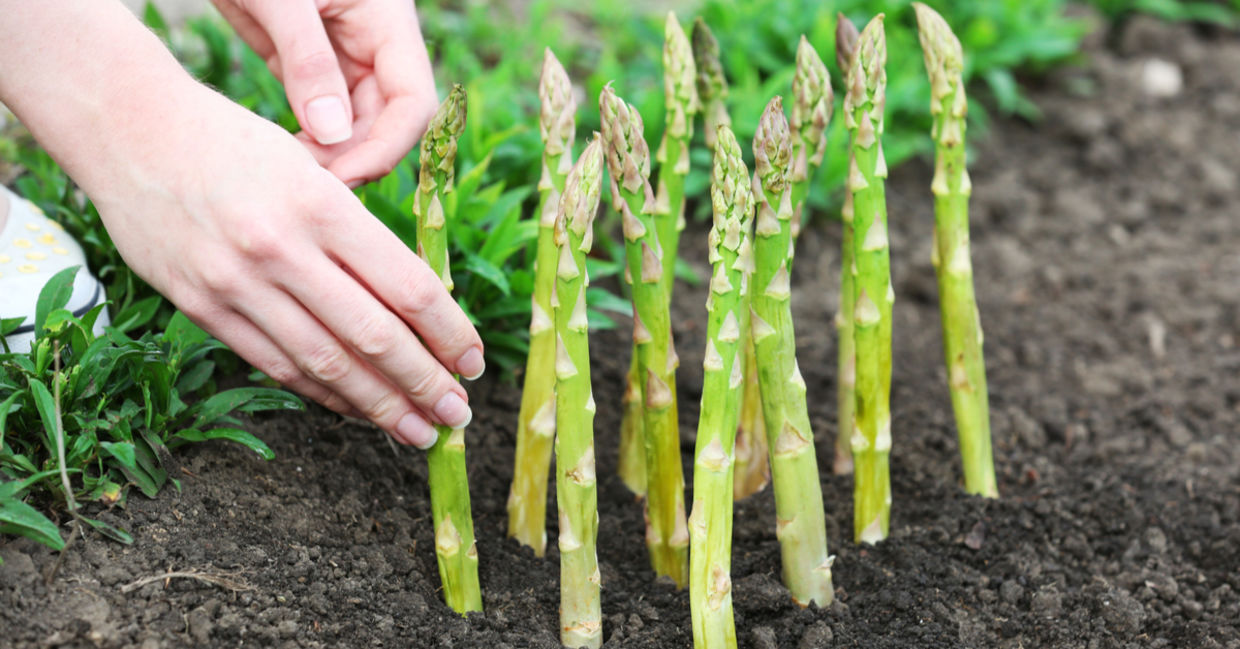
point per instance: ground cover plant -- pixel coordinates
(85, 418)
(956, 193)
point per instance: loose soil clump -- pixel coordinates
(1107, 260)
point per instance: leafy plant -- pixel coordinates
(86, 417)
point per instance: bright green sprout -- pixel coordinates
(455, 549)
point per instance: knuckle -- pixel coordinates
(327, 364)
(385, 409)
(313, 65)
(284, 373)
(425, 385)
(376, 336)
(422, 295)
(261, 242)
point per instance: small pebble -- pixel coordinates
(1161, 79)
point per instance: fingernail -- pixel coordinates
(470, 365)
(328, 120)
(416, 431)
(354, 184)
(452, 411)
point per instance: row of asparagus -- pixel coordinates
(754, 397)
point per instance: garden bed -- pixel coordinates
(1107, 257)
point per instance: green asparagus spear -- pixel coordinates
(812, 104)
(712, 85)
(751, 471)
(962, 329)
(801, 527)
(576, 487)
(449, 484)
(527, 499)
(628, 161)
(846, 37)
(681, 104)
(866, 207)
(727, 329)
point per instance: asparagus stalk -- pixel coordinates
(527, 498)
(576, 487)
(866, 208)
(681, 104)
(751, 471)
(962, 329)
(812, 104)
(455, 549)
(846, 37)
(628, 161)
(801, 526)
(727, 329)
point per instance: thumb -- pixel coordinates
(312, 76)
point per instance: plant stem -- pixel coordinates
(801, 527)
(962, 329)
(455, 549)
(750, 471)
(527, 498)
(866, 206)
(628, 160)
(846, 37)
(576, 486)
(710, 526)
(681, 104)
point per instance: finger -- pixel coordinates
(244, 339)
(407, 286)
(367, 103)
(325, 360)
(380, 338)
(315, 84)
(250, 31)
(403, 72)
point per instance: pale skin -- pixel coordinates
(251, 231)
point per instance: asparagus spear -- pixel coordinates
(866, 208)
(628, 161)
(455, 549)
(712, 85)
(727, 329)
(576, 487)
(750, 471)
(801, 527)
(962, 329)
(812, 104)
(681, 104)
(527, 499)
(846, 37)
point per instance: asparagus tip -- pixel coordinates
(846, 36)
(943, 54)
(772, 146)
(557, 116)
(813, 100)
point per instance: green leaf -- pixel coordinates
(231, 434)
(55, 295)
(137, 314)
(480, 267)
(16, 517)
(182, 330)
(242, 400)
(108, 530)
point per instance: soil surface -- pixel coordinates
(1107, 257)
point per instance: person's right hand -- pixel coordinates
(232, 219)
(239, 226)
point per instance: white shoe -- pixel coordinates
(33, 248)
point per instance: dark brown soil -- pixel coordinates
(1107, 258)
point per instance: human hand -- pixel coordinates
(274, 256)
(356, 73)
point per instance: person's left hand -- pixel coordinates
(356, 73)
